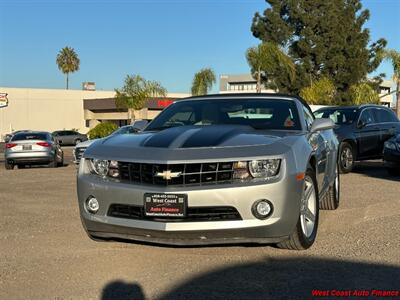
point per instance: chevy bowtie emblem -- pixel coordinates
(168, 175)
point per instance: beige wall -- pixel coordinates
(45, 109)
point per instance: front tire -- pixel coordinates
(346, 158)
(307, 225)
(331, 200)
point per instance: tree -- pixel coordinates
(323, 38)
(394, 56)
(266, 61)
(203, 82)
(101, 130)
(135, 92)
(363, 93)
(320, 92)
(68, 61)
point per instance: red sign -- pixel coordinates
(164, 102)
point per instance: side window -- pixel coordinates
(308, 117)
(385, 116)
(182, 117)
(367, 116)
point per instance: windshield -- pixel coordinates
(259, 114)
(339, 116)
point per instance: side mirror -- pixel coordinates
(322, 124)
(140, 124)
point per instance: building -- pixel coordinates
(241, 83)
(386, 93)
(53, 109)
(104, 109)
(245, 83)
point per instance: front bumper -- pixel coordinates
(284, 193)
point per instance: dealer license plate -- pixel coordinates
(165, 205)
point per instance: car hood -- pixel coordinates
(195, 143)
(86, 143)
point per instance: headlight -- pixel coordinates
(390, 145)
(264, 168)
(99, 166)
(104, 167)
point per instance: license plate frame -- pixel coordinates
(165, 205)
(26, 147)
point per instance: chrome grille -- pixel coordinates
(189, 174)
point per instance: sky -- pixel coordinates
(163, 40)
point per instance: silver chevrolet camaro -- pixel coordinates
(229, 168)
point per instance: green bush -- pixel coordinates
(321, 92)
(363, 93)
(102, 130)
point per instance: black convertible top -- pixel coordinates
(253, 95)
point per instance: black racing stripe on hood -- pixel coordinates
(202, 136)
(211, 136)
(164, 138)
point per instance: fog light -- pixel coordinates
(262, 209)
(92, 205)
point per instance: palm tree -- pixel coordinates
(268, 57)
(394, 56)
(68, 61)
(135, 92)
(203, 82)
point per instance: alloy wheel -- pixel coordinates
(308, 209)
(346, 158)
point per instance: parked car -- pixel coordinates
(69, 137)
(81, 147)
(8, 136)
(33, 148)
(361, 130)
(391, 155)
(214, 169)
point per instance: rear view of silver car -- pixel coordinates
(33, 148)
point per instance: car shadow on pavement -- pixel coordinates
(281, 278)
(374, 168)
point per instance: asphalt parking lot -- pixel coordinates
(44, 252)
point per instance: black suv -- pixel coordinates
(361, 131)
